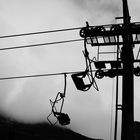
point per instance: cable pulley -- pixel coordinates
(99, 74)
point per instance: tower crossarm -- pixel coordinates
(109, 34)
(116, 69)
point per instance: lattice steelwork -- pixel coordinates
(124, 38)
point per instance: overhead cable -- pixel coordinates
(41, 44)
(38, 75)
(51, 31)
(41, 32)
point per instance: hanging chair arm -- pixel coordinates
(65, 86)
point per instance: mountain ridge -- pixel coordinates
(13, 130)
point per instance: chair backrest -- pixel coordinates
(79, 82)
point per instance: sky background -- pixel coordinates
(27, 100)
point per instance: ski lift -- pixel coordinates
(78, 79)
(62, 118)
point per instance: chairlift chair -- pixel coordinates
(62, 118)
(79, 82)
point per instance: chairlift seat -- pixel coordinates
(62, 118)
(79, 83)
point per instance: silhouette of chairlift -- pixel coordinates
(62, 118)
(78, 80)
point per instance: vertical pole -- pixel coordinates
(127, 79)
(117, 87)
(116, 111)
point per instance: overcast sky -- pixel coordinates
(28, 99)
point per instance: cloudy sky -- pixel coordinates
(28, 99)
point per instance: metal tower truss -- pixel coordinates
(113, 35)
(110, 35)
(106, 35)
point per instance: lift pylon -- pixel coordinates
(124, 36)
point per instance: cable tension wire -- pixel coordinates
(41, 32)
(41, 44)
(38, 75)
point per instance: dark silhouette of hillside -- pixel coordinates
(12, 130)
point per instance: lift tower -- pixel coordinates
(127, 57)
(124, 37)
